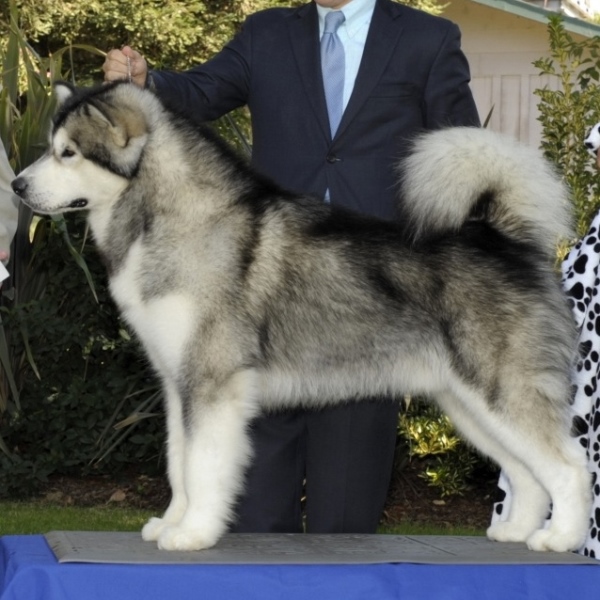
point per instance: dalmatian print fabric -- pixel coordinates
(581, 282)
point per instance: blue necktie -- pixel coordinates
(333, 68)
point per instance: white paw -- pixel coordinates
(179, 538)
(153, 528)
(505, 531)
(546, 540)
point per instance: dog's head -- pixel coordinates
(592, 140)
(96, 145)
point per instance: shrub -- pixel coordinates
(88, 367)
(69, 366)
(448, 463)
(567, 113)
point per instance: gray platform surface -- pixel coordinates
(263, 549)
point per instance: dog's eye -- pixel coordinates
(67, 153)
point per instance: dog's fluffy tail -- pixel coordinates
(463, 173)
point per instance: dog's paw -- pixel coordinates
(179, 538)
(153, 528)
(505, 531)
(546, 540)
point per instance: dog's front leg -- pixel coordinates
(217, 451)
(175, 462)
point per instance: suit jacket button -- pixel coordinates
(332, 158)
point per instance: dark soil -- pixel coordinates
(411, 499)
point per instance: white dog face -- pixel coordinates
(592, 141)
(92, 154)
(64, 180)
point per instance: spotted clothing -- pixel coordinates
(581, 282)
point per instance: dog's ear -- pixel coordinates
(63, 91)
(128, 125)
(127, 131)
(122, 125)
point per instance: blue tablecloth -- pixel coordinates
(29, 571)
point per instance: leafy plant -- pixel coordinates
(567, 113)
(68, 363)
(448, 462)
(21, 117)
(90, 375)
(189, 32)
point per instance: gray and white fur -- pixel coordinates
(248, 297)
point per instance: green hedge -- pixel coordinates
(88, 374)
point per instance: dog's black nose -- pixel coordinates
(589, 145)
(19, 185)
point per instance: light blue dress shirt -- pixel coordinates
(353, 35)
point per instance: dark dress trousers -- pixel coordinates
(413, 76)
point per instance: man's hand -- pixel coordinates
(127, 64)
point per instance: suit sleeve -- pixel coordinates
(448, 97)
(210, 90)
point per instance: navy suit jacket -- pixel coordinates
(413, 76)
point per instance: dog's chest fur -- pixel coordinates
(163, 323)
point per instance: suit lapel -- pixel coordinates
(384, 33)
(304, 37)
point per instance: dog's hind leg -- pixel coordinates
(530, 502)
(175, 463)
(217, 451)
(536, 457)
(535, 426)
(529, 507)
(569, 484)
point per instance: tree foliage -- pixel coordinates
(567, 111)
(68, 365)
(174, 34)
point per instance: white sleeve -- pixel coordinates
(9, 203)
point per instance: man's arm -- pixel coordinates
(448, 97)
(205, 92)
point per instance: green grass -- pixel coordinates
(17, 518)
(34, 517)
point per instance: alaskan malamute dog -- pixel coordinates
(248, 297)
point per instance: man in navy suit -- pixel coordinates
(404, 73)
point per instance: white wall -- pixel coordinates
(501, 48)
